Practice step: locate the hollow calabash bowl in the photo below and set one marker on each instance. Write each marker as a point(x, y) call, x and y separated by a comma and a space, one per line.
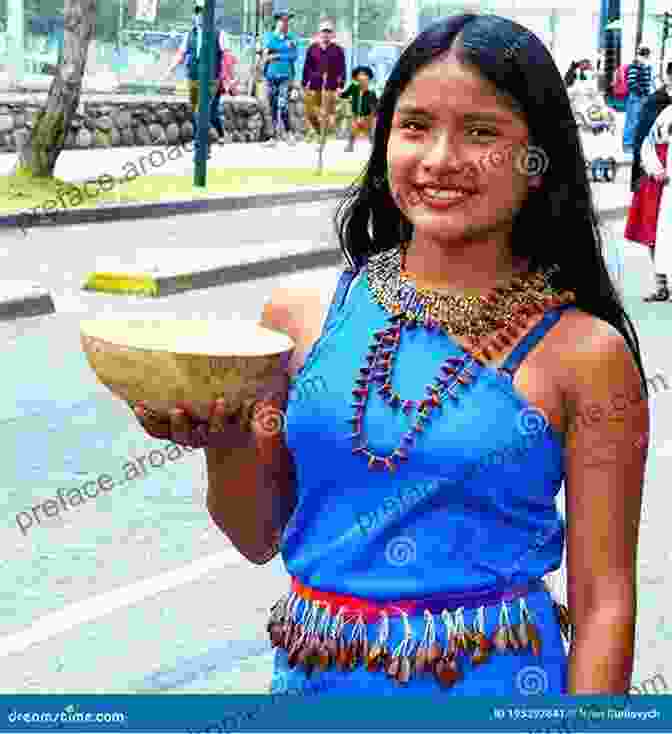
point(172, 361)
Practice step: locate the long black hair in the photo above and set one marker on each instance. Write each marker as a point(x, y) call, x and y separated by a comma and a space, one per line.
point(557, 227)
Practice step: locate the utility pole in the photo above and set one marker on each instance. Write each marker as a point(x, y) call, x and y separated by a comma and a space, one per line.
point(667, 28)
point(640, 24)
point(206, 63)
point(612, 45)
point(355, 33)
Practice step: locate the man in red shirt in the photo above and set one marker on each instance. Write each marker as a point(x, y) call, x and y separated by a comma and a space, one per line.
point(322, 57)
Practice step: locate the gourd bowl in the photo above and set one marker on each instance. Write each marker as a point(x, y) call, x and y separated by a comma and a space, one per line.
point(168, 362)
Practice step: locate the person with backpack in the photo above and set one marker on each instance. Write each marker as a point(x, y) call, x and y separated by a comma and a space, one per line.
point(189, 54)
point(640, 86)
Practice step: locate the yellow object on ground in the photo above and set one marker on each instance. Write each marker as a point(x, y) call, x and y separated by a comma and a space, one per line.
point(143, 285)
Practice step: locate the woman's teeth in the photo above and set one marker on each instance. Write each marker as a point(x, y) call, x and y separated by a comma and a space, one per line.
point(445, 193)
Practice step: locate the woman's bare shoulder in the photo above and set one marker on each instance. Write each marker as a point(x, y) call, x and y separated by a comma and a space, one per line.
point(300, 309)
point(594, 354)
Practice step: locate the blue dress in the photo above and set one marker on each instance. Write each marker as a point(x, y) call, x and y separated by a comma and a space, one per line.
point(472, 510)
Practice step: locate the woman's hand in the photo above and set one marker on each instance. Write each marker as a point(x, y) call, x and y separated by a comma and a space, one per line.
point(222, 430)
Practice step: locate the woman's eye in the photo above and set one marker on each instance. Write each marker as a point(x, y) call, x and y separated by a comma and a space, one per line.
point(407, 124)
point(485, 132)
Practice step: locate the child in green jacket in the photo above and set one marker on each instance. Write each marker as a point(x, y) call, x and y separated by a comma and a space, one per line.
point(364, 103)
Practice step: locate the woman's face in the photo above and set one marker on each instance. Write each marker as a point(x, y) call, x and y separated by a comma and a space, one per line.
point(453, 131)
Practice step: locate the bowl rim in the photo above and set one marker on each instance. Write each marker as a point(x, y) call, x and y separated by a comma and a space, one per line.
point(210, 355)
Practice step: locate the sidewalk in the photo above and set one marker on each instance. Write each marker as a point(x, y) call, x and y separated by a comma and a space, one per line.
point(79, 165)
point(182, 272)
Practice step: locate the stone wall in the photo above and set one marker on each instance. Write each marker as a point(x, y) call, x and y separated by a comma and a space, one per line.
point(104, 121)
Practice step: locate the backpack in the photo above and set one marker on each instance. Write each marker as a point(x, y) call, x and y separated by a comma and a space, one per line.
point(619, 86)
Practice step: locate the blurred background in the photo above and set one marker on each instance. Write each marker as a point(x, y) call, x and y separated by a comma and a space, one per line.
point(135, 40)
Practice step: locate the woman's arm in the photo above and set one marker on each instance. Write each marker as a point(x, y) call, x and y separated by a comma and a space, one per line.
point(251, 486)
point(605, 459)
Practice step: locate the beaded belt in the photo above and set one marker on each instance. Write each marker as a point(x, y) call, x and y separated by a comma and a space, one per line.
point(316, 641)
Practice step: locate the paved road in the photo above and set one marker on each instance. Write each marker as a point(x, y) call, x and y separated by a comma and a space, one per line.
point(60, 429)
point(153, 597)
point(67, 255)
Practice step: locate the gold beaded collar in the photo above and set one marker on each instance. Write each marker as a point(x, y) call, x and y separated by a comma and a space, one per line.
point(501, 313)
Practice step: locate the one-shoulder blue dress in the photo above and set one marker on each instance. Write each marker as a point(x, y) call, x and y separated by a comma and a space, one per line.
point(472, 510)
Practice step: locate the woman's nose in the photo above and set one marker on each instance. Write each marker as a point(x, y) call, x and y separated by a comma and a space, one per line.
point(442, 152)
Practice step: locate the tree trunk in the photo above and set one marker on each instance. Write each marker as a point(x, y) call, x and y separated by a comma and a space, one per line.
point(38, 152)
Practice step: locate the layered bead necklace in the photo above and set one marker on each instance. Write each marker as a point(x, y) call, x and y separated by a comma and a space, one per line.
point(490, 323)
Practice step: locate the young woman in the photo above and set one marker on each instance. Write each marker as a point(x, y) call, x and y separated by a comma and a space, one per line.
point(474, 357)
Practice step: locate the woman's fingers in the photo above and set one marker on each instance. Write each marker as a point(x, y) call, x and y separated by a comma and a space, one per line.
point(181, 427)
point(152, 423)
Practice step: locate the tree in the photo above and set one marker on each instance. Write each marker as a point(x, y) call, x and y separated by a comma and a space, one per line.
point(39, 152)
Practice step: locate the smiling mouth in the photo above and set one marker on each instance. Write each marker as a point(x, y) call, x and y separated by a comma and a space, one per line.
point(442, 196)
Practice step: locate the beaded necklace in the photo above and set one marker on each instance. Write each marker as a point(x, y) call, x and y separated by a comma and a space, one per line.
point(490, 324)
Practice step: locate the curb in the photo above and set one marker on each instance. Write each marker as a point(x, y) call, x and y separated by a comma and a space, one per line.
point(157, 286)
point(119, 212)
point(35, 303)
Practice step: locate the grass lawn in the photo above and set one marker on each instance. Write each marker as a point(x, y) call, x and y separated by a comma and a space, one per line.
point(230, 181)
point(21, 193)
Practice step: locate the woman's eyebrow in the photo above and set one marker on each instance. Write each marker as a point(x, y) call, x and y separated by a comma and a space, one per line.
point(411, 110)
point(468, 117)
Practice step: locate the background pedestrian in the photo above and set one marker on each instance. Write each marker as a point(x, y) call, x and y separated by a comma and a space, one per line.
point(228, 84)
point(322, 57)
point(279, 63)
point(189, 54)
point(364, 103)
point(655, 204)
point(640, 85)
point(652, 107)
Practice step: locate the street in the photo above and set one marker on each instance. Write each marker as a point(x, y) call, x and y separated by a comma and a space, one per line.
point(136, 590)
